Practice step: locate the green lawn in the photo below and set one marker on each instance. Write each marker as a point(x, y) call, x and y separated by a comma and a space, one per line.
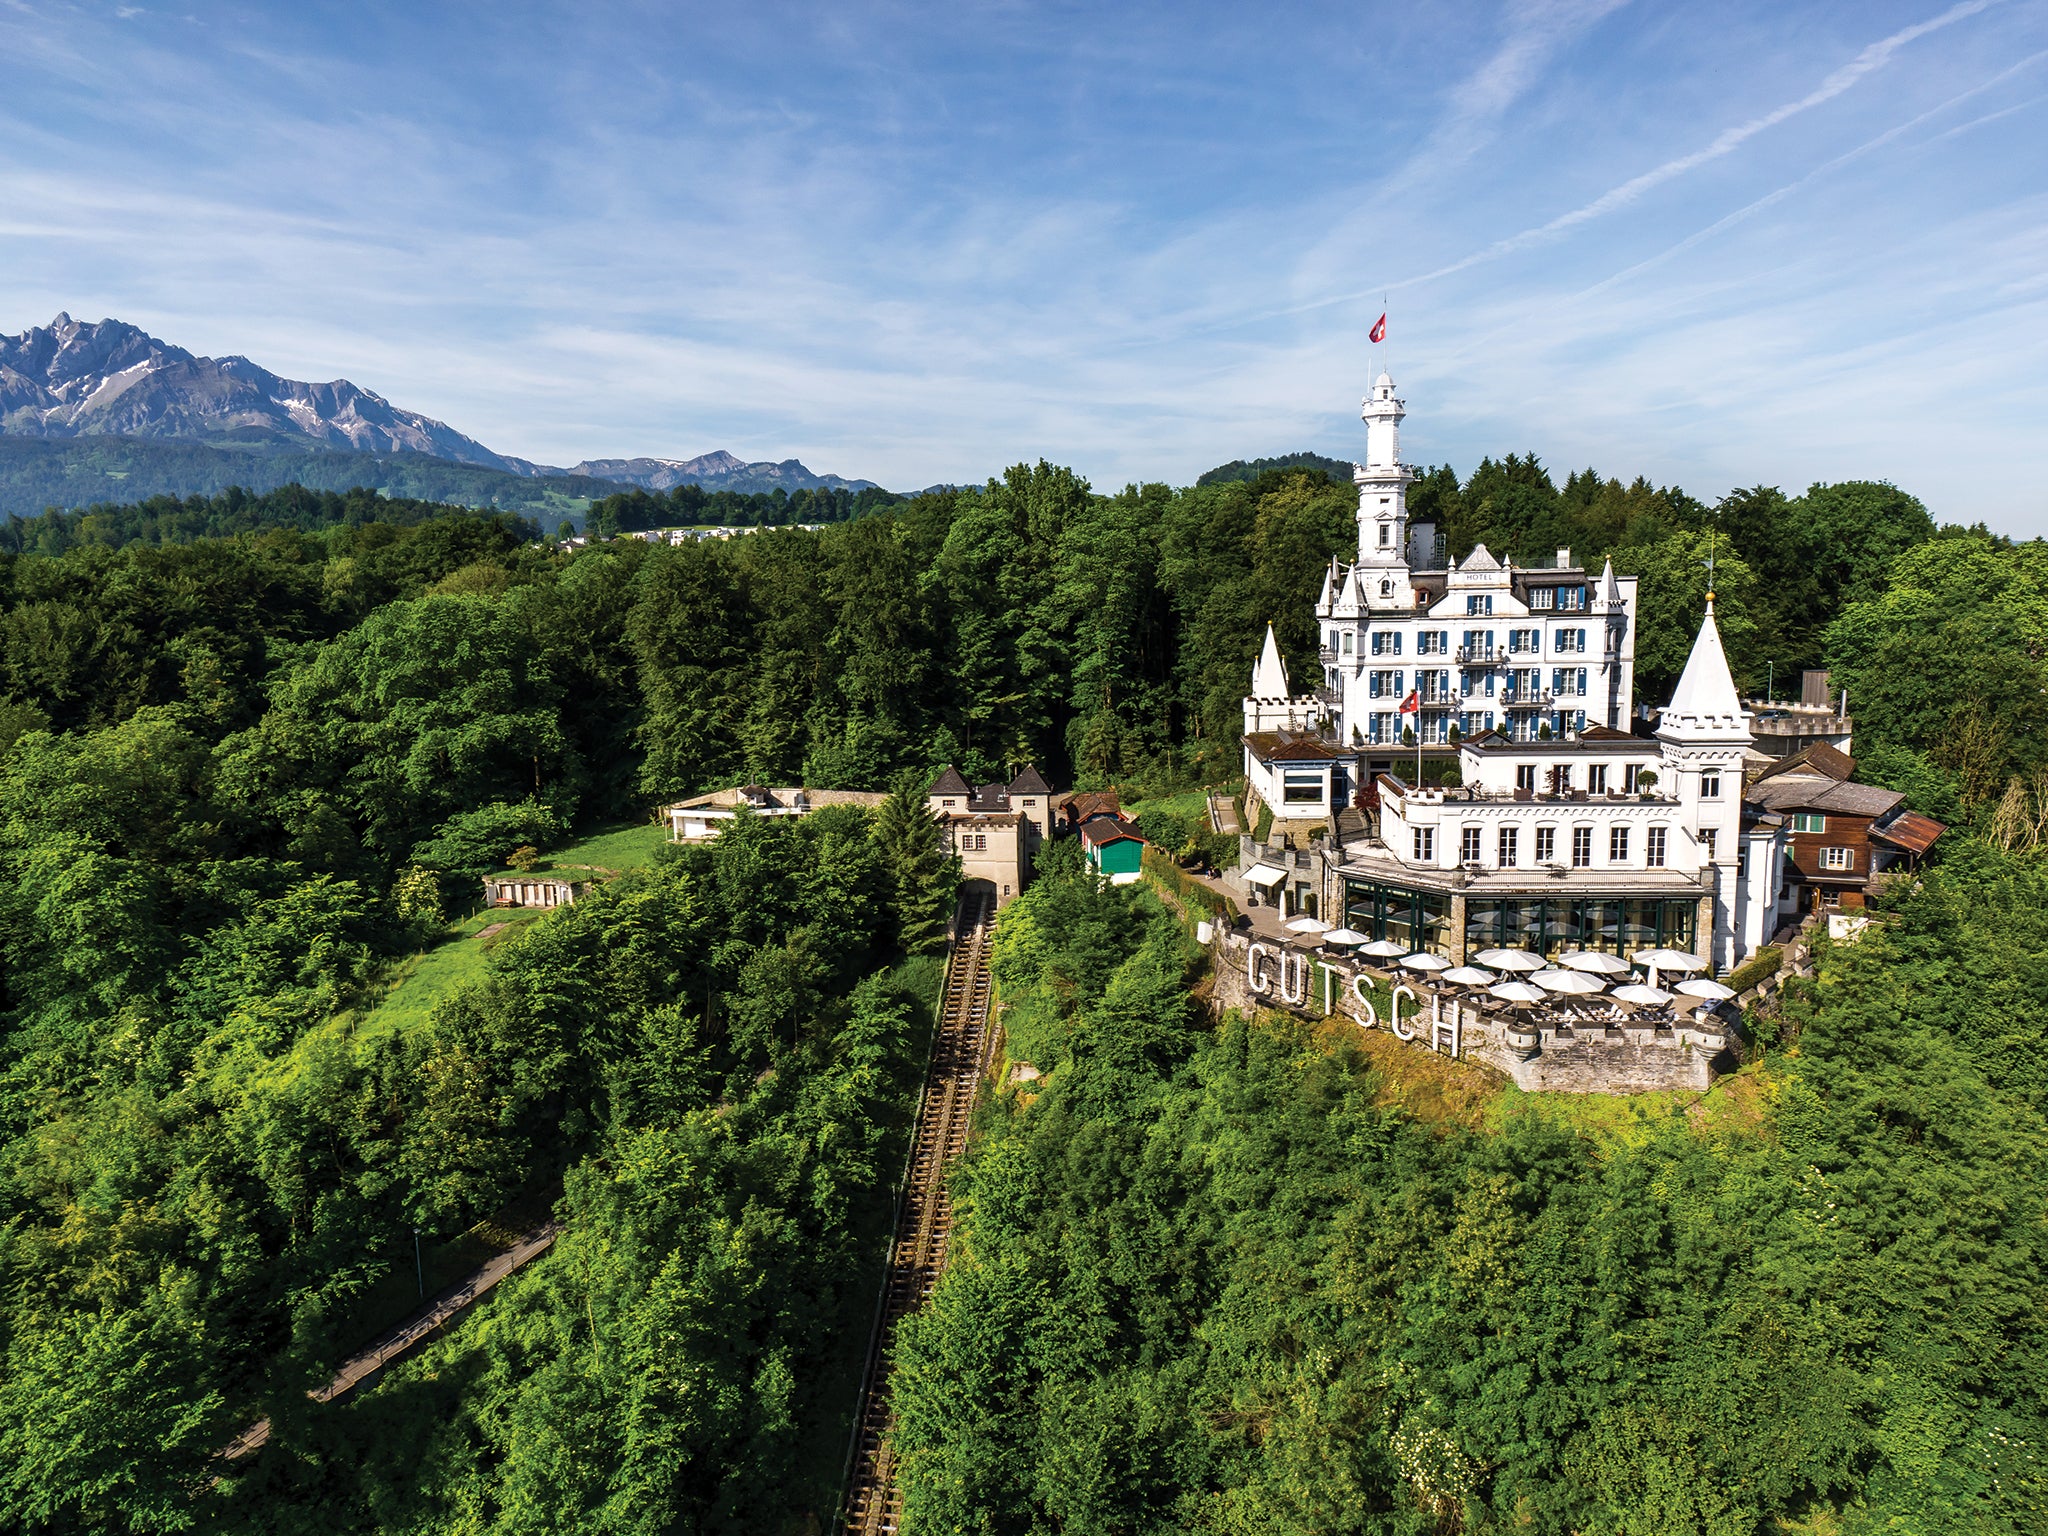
point(455, 961)
point(1194, 805)
point(610, 849)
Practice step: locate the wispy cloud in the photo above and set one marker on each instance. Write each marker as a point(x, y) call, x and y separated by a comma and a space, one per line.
point(917, 245)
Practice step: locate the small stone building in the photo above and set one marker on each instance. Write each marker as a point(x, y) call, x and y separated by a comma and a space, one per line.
point(997, 829)
point(703, 817)
point(517, 890)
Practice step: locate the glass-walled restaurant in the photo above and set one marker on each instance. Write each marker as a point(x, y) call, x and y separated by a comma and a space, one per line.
point(1541, 925)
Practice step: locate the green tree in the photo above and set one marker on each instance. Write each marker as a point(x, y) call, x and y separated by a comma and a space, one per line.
point(924, 874)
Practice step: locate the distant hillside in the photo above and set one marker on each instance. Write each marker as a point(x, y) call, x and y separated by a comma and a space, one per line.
point(174, 520)
point(39, 473)
point(719, 471)
point(1251, 469)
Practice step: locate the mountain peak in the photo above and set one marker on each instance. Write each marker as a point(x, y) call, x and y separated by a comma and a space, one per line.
point(71, 379)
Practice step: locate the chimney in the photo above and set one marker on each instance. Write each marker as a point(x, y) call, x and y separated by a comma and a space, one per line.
point(1564, 559)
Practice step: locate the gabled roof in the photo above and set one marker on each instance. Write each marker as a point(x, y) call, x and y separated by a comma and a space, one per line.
point(1269, 677)
point(1817, 758)
point(1480, 560)
point(1029, 782)
point(1705, 702)
point(1098, 802)
point(1811, 792)
point(949, 783)
point(1109, 829)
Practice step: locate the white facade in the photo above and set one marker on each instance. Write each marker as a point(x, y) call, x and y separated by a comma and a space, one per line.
point(1483, 645)
point(1563, 823)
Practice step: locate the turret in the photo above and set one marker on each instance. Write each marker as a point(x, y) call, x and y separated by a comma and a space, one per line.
point(1382, 482)
point(1704, 732)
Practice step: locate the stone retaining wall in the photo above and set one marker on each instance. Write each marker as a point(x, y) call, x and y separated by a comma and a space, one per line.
point(1253, 973)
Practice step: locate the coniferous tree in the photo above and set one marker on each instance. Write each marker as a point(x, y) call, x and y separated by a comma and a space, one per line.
point(926, 875)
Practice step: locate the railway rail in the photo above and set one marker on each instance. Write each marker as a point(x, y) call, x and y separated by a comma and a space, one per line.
point(924, 1216)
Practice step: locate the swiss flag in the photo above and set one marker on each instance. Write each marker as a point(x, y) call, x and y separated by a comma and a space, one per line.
point(1379, 330)
point(1412, 703)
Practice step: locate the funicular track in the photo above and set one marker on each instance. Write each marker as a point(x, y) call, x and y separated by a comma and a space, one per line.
point(923, 1219)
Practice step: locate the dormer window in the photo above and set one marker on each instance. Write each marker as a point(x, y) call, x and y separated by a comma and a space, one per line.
point(1386, 588)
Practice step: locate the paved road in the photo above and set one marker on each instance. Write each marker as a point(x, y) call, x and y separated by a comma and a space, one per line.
point(390, 1345)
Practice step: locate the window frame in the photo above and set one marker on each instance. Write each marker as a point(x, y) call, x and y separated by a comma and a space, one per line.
point(1582, 846)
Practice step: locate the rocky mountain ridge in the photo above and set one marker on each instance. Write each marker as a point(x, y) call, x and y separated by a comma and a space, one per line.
point(76, 379)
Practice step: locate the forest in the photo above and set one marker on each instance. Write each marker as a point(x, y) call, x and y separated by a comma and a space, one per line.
point(1212, 1276)
point(110, 473)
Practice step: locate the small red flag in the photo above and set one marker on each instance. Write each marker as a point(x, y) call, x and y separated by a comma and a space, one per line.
point(1412, 704)
point(1379, 329)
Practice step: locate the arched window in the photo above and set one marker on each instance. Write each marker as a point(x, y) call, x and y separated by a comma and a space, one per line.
point(1386, 589)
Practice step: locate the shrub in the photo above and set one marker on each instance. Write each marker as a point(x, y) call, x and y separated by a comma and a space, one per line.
point(1764, 963)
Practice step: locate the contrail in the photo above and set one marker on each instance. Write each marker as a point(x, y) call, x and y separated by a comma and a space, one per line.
point(1870, 59)
point(1821, 170)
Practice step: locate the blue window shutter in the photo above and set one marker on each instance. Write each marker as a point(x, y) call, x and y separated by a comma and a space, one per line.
point(1373, 690)
point(1582, 679)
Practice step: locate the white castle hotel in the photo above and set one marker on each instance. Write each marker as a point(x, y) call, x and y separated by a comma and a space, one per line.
point(1566, 832)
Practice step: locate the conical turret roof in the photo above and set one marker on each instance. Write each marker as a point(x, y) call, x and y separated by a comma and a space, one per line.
point(1705, 701)
point(1269, 677)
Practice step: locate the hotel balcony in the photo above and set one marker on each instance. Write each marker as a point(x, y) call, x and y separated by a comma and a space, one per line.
point(1480, 655)
point(1527, 698)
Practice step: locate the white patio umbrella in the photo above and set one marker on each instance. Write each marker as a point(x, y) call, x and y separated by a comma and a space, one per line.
point(1516, 992)
point(1667, 960)
point(1593, 962)
point(1384, 949)
point(1706, 989)
point(1509, 960)
point(1570, 983)
point(1344, 936)
point(1425, 962)
point(1468, 976)
point(1308, 925)
point(1636, 992)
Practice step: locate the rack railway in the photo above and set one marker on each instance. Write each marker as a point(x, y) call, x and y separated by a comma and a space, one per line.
point(924, 1217)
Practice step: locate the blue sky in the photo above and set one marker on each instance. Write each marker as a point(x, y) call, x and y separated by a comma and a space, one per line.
point(1716, 245)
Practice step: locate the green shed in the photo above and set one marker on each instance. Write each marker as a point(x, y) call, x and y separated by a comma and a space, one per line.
point(1114, 847)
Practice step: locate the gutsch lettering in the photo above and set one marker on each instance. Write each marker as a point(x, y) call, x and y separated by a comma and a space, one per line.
point(1274, 972)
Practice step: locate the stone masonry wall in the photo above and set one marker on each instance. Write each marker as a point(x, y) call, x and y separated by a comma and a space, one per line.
point(1252, 973)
